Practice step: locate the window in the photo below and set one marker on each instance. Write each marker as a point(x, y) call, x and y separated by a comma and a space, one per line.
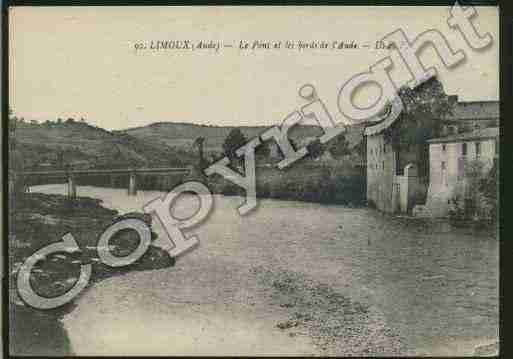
point(478, 149)
point(464, 149)
point(444, 147)
point(443, 165)
point(384, 148)
point(496, 145)
point(383, 165)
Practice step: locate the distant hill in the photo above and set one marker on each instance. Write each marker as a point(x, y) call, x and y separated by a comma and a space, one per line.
point(182, 135)
point(82, 145)
point(52, 144)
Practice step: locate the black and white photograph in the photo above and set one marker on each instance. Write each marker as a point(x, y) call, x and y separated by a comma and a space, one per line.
point(253, 181)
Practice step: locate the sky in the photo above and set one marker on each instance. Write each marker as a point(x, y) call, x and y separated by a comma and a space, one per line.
point(82, 62)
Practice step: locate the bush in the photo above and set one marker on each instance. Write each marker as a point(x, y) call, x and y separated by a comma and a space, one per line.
point(489, 187)
point(476, 198)
point(371, 204)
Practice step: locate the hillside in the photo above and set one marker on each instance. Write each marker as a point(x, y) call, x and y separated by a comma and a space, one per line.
point(52, 145)
point(182, 135)
point(55, 144)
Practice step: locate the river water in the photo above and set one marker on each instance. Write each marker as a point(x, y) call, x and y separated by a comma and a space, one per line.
point(431, 284)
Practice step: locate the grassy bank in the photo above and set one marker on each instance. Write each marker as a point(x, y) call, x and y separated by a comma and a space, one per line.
point(308, 182)
point(39, 220)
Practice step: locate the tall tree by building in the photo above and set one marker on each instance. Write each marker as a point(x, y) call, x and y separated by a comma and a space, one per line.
point(423, 107)
point(233, 141)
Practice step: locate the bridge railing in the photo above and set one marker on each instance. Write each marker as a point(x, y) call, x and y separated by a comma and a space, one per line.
point(70, 176)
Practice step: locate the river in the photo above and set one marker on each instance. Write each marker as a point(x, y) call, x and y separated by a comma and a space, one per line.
point(430, 288)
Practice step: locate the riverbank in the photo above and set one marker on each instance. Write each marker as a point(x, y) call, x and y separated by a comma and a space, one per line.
point(306, 181)
point(366, 280)
point(41, 219)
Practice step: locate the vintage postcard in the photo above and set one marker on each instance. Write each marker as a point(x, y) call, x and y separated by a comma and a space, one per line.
point(253, 181)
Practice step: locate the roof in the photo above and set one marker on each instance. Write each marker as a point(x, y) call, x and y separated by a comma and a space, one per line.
point(485, 133)
point(470, 110)
point(474, 110)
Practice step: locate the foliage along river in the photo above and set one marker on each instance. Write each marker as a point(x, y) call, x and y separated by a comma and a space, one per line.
point(432, 287)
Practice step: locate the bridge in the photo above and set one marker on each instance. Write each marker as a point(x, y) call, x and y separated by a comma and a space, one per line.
point(72, 174)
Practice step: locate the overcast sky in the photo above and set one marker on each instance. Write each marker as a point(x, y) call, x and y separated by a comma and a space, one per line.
point(81, 62)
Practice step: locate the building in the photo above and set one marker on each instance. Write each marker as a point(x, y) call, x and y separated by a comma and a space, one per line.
point(391, 187)
point(470, 116)
point(394, 183)
point(448, 158)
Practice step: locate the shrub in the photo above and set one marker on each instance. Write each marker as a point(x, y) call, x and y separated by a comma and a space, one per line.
point(476, 198)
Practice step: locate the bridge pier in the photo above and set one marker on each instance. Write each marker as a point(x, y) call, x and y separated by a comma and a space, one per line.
point(132, 184)
point(72, 187)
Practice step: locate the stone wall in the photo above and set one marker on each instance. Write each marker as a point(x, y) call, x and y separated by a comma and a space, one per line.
point(380, 173)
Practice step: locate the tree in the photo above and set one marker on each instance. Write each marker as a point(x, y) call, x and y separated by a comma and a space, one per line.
point(233, 141)
point(12, 129)
point(216, 156)
point(12, 122)
point(423, 107)
point(199, 144)
point(263, 151)
point(315, 149)
point(70, 120)
point(476, 197)
point(17, 161)
point(339, 146)
point(60, 158)
point(489, 186)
